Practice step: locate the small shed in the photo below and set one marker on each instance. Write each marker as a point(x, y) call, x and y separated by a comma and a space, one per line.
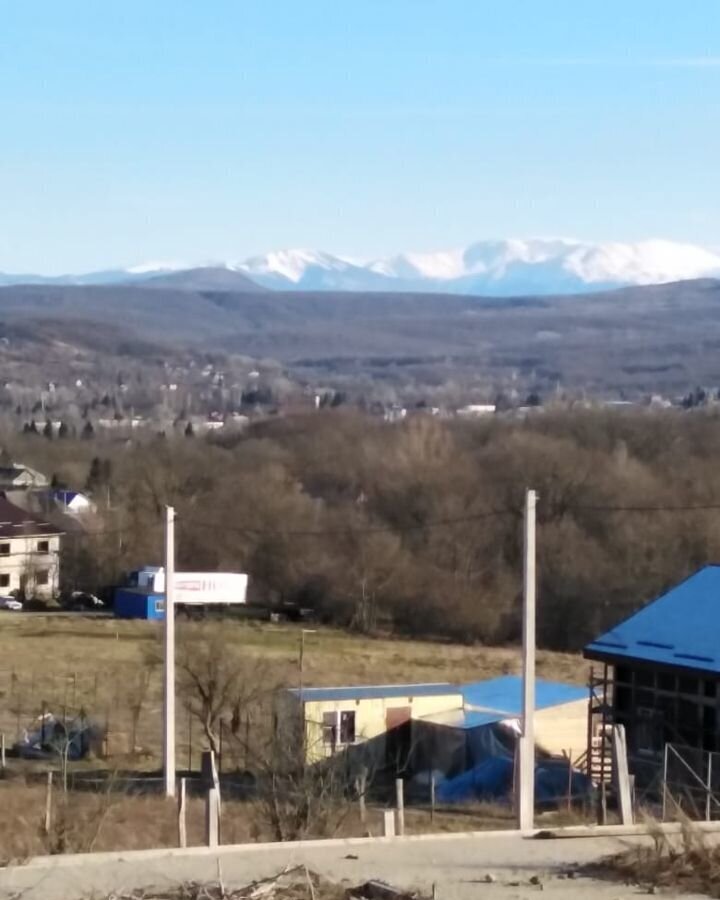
point(488, 724)
point(132, 603)
point(560, 709)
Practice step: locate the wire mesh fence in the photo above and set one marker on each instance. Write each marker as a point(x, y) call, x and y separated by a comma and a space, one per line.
point(123, 703)
point(691, 783)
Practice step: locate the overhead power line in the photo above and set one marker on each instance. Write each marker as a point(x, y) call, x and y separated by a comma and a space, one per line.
point(693, 507)
point(371, 529)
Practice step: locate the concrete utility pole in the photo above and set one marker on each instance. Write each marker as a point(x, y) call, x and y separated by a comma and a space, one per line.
point(169, 669)
point(526, 774)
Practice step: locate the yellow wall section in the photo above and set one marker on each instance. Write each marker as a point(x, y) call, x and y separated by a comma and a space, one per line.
point(563, 728)
point(370, 716)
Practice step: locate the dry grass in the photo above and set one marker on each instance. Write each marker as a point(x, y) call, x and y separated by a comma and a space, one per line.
point(74, 643)
point(80, 660)
point(87, 822)
point(93, 660)
point(684, 863)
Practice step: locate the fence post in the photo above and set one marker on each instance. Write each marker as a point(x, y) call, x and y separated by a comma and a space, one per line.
point(2, 750)
point(603, 803)
point(189, 742)
point(622, 775)
point(48, 802)
point(708, 795)
point(361, 789)
point(400, 800)
point(220, 749)
point(432, 795)
point(569, 781)
point(182, 810)
point(664, 783)
point(212, 817)
point(389, 823)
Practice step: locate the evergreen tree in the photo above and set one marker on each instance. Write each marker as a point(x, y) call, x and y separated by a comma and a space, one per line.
point(189, 430)
point(88, 431)
point(48, 430)
point(63, 430)
point(94, 475)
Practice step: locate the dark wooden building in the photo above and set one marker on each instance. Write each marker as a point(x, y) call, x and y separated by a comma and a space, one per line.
point(660, 671)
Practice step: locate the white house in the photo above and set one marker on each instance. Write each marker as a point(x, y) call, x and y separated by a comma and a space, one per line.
point(18, 475)
point(29, 553)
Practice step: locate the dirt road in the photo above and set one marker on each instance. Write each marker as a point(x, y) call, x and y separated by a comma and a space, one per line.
point(497, 867)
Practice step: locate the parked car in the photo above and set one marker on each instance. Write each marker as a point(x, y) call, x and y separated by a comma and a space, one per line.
point(81, 600)
point(11, 603)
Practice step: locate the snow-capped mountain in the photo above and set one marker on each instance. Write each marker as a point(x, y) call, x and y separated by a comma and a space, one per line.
point(503, 268)
point(493, 267)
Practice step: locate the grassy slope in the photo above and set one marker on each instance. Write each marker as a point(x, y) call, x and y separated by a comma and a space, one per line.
point(60, 645)
point(56, 657)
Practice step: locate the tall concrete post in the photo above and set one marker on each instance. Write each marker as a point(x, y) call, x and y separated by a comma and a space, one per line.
point(169, 666)
point(526, 775)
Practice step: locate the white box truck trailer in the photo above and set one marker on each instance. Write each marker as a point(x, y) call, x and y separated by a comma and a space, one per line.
point(196, 588)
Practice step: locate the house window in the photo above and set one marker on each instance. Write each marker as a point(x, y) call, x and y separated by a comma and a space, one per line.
point(339, 728)
point(4, 549)
point(4, 581)
point(330, 728)
point(42, 577)
point(43, 546)
point(347, 727)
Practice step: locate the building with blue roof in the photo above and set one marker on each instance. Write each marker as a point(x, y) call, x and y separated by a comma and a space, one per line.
point(662, 667)
point(454, 723)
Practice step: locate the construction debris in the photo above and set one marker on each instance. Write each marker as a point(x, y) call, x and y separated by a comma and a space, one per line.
point(297, 883)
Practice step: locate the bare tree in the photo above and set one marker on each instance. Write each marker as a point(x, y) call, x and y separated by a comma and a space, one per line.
point(215, 683)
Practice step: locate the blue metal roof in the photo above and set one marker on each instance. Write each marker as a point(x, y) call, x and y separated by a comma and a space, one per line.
point(376, 691)
point(504, 694)
point(464, 718)
point(679, 628)
point(500, 696)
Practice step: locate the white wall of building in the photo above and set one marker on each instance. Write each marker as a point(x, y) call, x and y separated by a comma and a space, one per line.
point(32, 563)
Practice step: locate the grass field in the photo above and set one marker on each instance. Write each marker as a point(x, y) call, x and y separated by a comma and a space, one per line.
point(49, 662)
point(72, 662)
point(66, 643)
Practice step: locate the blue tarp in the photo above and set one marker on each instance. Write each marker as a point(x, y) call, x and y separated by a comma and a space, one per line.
point(492, 779)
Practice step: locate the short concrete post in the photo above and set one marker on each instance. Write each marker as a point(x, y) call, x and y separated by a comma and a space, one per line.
point(622, 776)
point(400, 800)
point(48, 803)
point(362, 789)
point(182, 814)
point(432, 796)
point(2, 750)
point(212, 817)
point(389, 822)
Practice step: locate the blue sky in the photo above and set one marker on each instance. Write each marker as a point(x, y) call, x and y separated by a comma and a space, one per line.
point(135, 130)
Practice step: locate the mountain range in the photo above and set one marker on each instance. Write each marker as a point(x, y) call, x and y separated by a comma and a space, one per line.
point(495, 268)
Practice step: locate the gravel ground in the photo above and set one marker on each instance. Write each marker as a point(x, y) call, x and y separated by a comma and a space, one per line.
point(501, 868)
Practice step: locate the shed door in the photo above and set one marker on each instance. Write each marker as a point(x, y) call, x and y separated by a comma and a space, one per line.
point(397, 742)
point(396, 717)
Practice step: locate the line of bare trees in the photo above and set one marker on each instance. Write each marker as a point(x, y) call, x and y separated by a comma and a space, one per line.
point(382, 526)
